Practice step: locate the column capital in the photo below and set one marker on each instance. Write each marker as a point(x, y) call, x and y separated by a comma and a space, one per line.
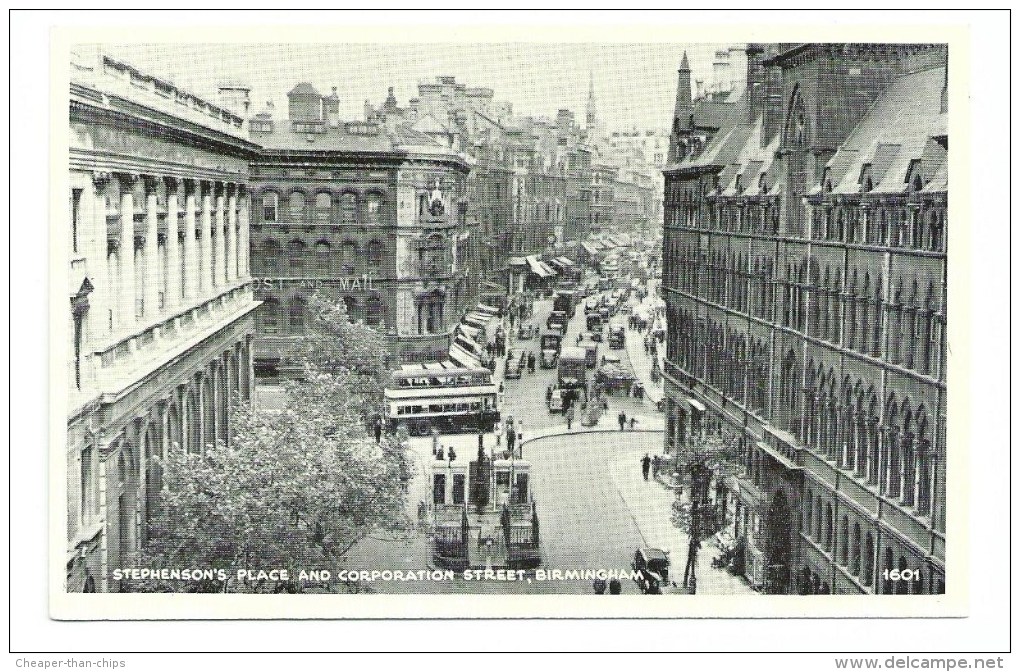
point(128, 180)
point(219, 188)
point(205, 187)
point(231, 188)
point(190, 185)
point(101, 178)
point(151, 183)
point(172, 182)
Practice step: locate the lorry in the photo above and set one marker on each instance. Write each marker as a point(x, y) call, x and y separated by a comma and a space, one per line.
point(591, 352)
point(617, 335)
point(557, 317)
point(565, 300)
point(572, 369)
point(550, 346)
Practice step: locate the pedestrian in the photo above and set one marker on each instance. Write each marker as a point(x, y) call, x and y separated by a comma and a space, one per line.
point(622, 419)
point(510, 438)
point(570, 417)
point(378, 429)
point(600, 586)
point(453, 455)
point(633, 421)
point(614, 587)
point(655, 466)
point(548, 394)
point(531, 362)
point(439, 454)
point(646, 463)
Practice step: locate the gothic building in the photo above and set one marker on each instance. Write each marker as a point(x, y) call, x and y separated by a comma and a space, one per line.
point(805, 284)
point(160, 311)
point(374, 212)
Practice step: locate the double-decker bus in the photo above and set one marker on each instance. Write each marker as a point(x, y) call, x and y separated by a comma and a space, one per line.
point(441, 396)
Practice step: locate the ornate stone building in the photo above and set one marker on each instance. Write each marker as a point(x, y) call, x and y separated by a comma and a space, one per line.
point(374, 212)
point(160, 315)
point(805, 284)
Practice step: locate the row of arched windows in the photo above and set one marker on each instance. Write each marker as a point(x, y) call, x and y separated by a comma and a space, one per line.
point(914, 226)
point(853, 547)
point(299, 259)
point(277, 316)
point(820, 302)
point(320, 206)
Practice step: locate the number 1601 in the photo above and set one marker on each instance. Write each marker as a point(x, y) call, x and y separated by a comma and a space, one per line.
point(901, 575)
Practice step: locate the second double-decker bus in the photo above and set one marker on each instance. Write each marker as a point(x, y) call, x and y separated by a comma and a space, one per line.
point(440, 396)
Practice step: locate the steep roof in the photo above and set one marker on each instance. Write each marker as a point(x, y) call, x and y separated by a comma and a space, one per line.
point(894, 133)
point(304, 88)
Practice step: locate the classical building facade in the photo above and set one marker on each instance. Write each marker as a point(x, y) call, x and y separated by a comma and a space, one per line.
point(375, 213)
point(161, 303)
point(805, 284)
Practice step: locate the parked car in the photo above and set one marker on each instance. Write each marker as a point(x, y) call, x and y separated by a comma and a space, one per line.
point(556, 401)
point(652, 565)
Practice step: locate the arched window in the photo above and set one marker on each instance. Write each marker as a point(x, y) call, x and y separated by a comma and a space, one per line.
point(322, 256)
point(323, 206)
point(296, 205)
point(868, 559)
point(270, 204)
point(348, 208)
point(296, 257)
point(270, 256)
point(855, 551)
point(375, 253)
point(350, 257)
point(829, 536)
point(843, 546)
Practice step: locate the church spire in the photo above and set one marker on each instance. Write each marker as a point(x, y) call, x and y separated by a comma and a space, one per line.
point(682, 111)
point(591, 120)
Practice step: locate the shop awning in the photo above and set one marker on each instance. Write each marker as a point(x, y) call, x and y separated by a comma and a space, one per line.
point(463, 358)
point(538, 268)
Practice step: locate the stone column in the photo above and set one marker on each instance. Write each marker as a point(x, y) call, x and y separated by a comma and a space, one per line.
point(221, 276)
point(173, 247)
point(191, 245)
point(243, 238)
point(230, 239)
point(205, 243)
point(150, 273)
point(126, 286)
point(93, 201)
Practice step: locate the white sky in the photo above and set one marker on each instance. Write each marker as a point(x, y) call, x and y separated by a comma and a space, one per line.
point(635, 84)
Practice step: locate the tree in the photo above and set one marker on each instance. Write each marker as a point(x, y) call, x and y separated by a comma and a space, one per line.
point(702, 458)
point(294, 489)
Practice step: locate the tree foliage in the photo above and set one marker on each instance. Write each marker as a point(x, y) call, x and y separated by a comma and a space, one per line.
point(296, 488)
point(703, 457)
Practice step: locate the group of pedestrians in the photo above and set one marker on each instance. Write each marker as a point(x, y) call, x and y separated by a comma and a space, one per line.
point(615, 588)
point(625, 421)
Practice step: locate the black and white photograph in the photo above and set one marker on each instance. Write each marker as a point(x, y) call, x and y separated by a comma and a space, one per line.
point(364, 326)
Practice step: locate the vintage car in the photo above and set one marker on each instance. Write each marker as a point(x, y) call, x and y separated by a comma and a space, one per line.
point(527, 332)
point(652, 566)
point(556, 401)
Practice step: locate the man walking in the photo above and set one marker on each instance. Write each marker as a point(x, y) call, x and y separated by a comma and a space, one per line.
point(622, 419)
point(378, 429)
point(511, 438)
point(646, 463)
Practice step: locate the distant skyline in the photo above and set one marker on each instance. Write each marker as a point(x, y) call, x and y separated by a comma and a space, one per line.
point(635, 84)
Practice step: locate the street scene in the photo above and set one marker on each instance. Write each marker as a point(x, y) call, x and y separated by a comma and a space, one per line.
point(663, 321)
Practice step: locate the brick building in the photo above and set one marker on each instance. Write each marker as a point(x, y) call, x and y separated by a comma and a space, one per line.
point(373, 212)
point(805, 282)
point(161, 302)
